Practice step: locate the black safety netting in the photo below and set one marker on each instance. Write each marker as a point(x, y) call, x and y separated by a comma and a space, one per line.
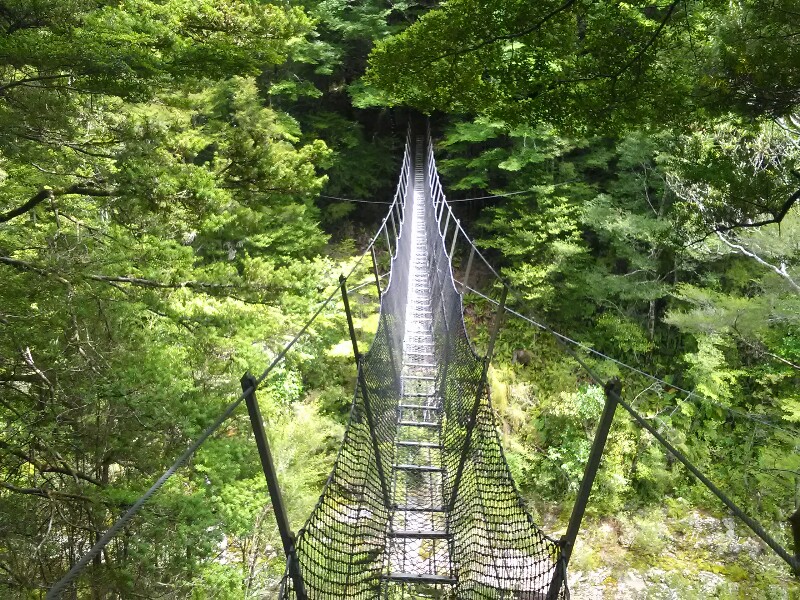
point(341, 547)
point(417, 506)
point(498, 551)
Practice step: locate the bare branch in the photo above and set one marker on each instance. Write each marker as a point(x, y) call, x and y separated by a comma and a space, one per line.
point(44, 468)
point(151, 283)
point(777, 216)
point(779, 270)
point(50, 194)
point(26, 80)
point(21, 265)
point(116, 280)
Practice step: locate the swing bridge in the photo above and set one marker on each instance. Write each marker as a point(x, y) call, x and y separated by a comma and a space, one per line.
point(421, 502)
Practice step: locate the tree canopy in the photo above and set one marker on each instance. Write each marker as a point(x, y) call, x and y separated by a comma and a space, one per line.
point(181, 183)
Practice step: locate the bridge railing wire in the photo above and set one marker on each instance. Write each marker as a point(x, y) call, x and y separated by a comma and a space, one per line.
point(63, 584)
point(445, 216)
point(340, 548)
point(498, 550)
point(654, 405)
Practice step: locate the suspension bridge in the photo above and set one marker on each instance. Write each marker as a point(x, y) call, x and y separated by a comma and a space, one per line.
point(421, 503)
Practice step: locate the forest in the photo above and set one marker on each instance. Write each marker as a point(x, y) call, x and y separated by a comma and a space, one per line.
point(182, 182)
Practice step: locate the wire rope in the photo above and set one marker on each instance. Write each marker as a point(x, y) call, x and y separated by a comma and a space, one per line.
point(55, 591)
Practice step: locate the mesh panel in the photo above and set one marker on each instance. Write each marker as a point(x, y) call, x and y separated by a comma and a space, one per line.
point(341, 548)
point(498, 551)
point(409, 536)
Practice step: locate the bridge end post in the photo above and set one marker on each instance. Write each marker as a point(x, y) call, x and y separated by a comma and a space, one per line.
point(612, 391)
point(288, 539)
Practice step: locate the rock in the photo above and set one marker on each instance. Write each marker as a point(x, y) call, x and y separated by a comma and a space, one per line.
point(631, 586)
point(710, 582)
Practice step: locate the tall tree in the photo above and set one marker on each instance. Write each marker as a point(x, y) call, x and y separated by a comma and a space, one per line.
point(157, 237)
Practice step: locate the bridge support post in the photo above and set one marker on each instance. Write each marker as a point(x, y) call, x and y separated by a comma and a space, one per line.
point(794, 521)
point(612, 392)
point(395, 228)
point(287, 536)
point(453, 242)
point(473, 417)
point(362, 385)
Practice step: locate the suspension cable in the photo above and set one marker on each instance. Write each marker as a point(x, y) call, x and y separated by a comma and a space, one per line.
point(564, 341)
point(354, 200)
point(55, 591)
point(591, 350)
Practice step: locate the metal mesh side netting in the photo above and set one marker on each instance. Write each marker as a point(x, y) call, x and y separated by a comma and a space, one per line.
point(498, 551)
point(395, 520)
point(341, 547)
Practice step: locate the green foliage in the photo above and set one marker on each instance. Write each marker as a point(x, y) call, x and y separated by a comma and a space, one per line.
point(587, 65)
point(161, 232)
point(158, 237)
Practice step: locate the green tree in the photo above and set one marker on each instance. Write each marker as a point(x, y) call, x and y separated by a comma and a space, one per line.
point(158, 236)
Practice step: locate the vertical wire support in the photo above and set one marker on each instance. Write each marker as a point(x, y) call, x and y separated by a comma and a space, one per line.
point(465, 283)
point(362, 384)
point(447, 223)
point(394, 227)
point(612, 391)
point(498, 321)
point(453, 243)
point(288, 539)
point(388, 241)
point(473, 417)
point(375, 270)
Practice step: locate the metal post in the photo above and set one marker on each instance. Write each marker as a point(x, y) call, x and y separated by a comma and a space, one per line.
point(362, 384)
point(498, 320)
point(465, 283)
point(447, 223)
point(794, 521)
point(351, 328)
point(375, 269)
point(287, 536)
point(473, 417)
point(567, 543)
point(395, 228)
point(612, 392)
